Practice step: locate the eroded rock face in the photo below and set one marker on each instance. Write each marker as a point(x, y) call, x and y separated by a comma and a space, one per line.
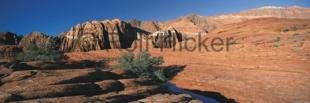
point(167, 38)
point(9, 51)
point(8, 45)
point(149, 26)
point(39, 39)
point(8, 38)
point(98, 35)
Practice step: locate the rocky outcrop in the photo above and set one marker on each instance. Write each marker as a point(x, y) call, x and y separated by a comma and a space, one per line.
point(39, 39)
point(8, 45)
point(9, 51)
point(8, 38)
point(98, 35)
point(80, 85)
point(166, 38)
point(149, 26)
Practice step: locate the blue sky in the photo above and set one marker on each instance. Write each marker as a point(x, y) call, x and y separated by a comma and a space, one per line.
point(55, 16)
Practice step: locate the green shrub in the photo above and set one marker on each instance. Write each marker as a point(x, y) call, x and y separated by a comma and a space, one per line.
point(143, 65)
point(286, 30)
point(160, 75)
point(276, 42)
point(33, 52)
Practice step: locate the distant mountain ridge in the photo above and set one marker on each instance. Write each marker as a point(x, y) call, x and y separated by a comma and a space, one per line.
point(193, 23)
point(275, 11)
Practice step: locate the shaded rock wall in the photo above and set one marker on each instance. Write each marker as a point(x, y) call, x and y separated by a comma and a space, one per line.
point(98, 35)
point(8, 38)
point(167, 38)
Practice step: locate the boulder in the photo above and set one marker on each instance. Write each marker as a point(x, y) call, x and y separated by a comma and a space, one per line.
point(98, 35)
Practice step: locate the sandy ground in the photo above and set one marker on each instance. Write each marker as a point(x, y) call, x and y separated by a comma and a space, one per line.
point(264, 76)
point(268, 64)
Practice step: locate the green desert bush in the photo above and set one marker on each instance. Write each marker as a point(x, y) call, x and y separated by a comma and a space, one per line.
point(276, 42)
point(33, 52)
point(143, 65)
point(160, 75)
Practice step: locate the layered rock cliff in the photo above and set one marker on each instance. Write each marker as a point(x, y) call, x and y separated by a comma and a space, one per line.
point(8, 45)
point(39, 39)
point(98, 35)
point(9, 51)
